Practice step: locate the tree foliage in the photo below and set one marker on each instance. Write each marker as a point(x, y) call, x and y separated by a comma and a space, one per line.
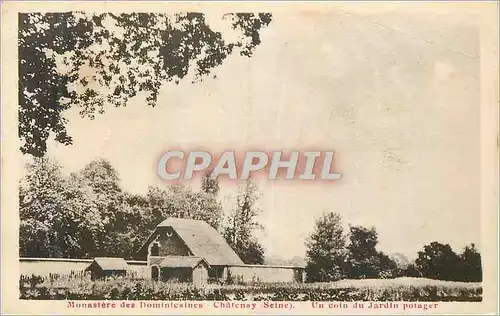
point(91, 60)
point(471, 266)
point(326, 253)
point(364, 259)
point(181, 202)
point(330, 257)
point(439, 261)
point(252, 252)
point(242, 223)
point(58, 216)
point(401, 262)
point(209, 184)
point(86, 214)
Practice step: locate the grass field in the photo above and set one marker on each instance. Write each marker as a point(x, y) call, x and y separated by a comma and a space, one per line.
point(399, 289)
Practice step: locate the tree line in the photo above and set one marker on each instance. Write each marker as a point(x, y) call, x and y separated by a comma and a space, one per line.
point(88, 214)
point(333, 255)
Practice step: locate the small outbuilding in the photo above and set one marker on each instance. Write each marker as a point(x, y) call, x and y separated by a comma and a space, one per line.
point(102, 268)
point(180, 269)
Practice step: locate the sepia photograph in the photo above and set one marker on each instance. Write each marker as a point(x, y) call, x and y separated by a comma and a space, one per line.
point(276, 158)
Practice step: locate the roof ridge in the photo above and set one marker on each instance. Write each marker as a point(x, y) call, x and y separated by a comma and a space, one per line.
point(184, 219)
point(179, 256)
point(109, 258)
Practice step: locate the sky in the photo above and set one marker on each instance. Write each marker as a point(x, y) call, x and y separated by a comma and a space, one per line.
point(396, 96)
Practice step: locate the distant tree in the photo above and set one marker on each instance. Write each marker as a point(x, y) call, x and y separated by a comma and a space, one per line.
point(103, 180)
point(129, 224)
point(326, 253)
point(438, 261)
point(412, 271)
point(102, 177)
point(470, 266)
point(296, 261)
point(402, 264)
point(241, 224)
point(92, 60)
point(388, 268)
point(252, 253)
point(210, 185)
point(364, 260)
point(277, 260)
point(40, 198)
point(182, 202)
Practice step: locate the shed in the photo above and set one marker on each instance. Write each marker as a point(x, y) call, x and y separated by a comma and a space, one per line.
point(101, 268)
point(181, 269)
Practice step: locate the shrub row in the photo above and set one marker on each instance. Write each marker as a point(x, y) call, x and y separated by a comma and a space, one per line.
point(139, 292)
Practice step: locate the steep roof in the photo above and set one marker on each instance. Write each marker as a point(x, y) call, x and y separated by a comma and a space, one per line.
point(108, 264)
point(203, 241)
point(180, 262)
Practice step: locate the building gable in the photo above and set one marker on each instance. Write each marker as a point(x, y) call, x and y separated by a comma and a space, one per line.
point(166, 242)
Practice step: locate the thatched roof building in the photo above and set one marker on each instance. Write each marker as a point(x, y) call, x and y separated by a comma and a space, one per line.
point(200, 239)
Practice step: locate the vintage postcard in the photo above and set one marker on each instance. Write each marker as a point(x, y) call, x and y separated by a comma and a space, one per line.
point(278, 158)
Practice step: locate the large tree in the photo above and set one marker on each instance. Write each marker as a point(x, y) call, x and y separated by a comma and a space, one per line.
point(57, 213)
point(364, 259)
point(127, 235)
point(438, 261)
point(242, 223)
point(363, 256)
point(326, 253)
point(91, 60)
point(471, 267)
point(108, 197)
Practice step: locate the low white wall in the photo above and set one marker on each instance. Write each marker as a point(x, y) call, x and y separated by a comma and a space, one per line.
point(266, 273)
point(45, 266)
point(139, 269)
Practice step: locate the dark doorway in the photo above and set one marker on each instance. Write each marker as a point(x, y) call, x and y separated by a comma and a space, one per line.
point(155, 273)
